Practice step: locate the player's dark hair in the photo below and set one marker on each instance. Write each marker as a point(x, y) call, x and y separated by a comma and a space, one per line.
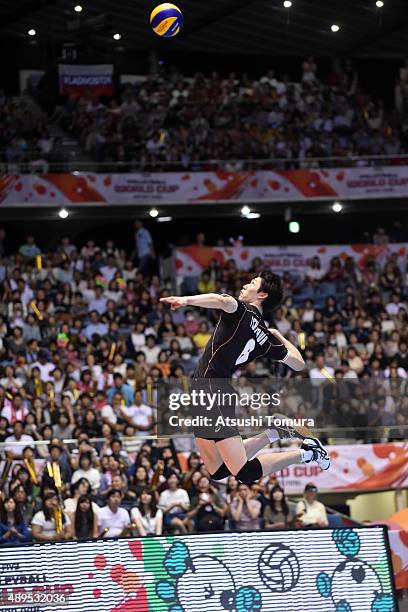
point(272, 285)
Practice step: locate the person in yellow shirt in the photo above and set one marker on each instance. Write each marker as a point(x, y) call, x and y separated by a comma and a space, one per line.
point(206, 285)
point(201, 338)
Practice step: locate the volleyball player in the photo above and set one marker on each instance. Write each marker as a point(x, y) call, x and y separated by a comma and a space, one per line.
point(239, 337)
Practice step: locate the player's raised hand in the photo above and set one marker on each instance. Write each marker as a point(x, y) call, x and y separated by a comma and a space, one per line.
point(175, 301)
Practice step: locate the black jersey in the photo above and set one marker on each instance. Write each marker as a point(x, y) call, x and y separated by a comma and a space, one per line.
point(238, 338)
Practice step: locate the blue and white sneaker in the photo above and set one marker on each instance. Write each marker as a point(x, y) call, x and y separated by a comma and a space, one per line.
point(320, 454)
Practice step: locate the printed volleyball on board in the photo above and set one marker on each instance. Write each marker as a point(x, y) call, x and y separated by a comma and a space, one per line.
point(166, 20)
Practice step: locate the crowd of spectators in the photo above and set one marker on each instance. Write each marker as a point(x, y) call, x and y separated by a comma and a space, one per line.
point(183, 121)
point(25, 142)
point(83, 341)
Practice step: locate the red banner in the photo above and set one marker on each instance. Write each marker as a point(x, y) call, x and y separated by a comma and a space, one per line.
point(195, 187)
point(192, 260)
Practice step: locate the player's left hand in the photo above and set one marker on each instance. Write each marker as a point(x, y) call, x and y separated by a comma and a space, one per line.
point(175, 302)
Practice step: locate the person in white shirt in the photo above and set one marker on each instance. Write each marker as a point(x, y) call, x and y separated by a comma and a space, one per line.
point(80, 488)
point(138, 337)
point(112, 516)
point(308, 314)
point(315, 272)
point(311, 512)
point(45, 367)
point(98, 302)
point(85, 470)
point(175, 503)
point(14, 410)
point(316, 373)
point(319, 379)
point(109, 270)
point(66, 246)
point(281, 322)
point(395, 305)
point(108, 413)
point(151, 350)
point(43, 522)
point(16, 443)
point(147, 517)
point(139, 415)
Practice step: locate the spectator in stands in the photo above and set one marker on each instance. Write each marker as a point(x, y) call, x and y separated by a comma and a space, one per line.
point(205, 284)
point(245, 511)
point(16, 443)
point(29, 249)
point(277, 515)
point(309, 510)
point(80, 488)
point(139, 415)
point(207, 510)
point(175, 503)
point(396, 305)
point(147, 518)
point(202, 337)
point(315, 272)
point(13, 529)
point(85, 470)
point(380, 237)
point(119, 386)
point(112, 519)
point(85, 521)
point(45, 526)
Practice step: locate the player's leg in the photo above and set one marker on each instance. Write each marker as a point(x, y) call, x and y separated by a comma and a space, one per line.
point(256, 443)
point(232, 451)
point(280, 431)
point(212, 459)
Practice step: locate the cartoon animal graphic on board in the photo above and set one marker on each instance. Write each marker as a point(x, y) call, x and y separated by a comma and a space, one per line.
point(355, 585)
point(203, 582)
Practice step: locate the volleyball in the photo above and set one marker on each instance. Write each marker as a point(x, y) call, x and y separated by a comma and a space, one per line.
point(279, 568)
point(166, 20)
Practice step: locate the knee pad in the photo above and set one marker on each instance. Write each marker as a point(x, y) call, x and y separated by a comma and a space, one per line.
point(221, 473)
point(250, 472)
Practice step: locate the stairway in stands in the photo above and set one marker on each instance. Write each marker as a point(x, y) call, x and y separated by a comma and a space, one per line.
point(77, 158)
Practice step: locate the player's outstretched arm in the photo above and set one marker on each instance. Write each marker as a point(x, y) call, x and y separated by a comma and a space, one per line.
point(294, 359)
point(207, 300)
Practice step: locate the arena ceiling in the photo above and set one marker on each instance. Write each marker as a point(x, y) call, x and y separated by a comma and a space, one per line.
point(223, 26)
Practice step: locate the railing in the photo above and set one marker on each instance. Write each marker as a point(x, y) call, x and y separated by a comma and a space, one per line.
point(24, 163)
point(372, 434)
